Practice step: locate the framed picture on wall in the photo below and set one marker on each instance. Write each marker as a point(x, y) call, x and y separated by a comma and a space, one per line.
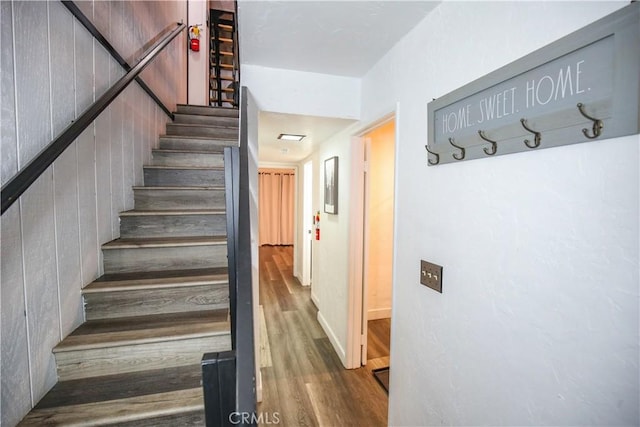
point(331, 185)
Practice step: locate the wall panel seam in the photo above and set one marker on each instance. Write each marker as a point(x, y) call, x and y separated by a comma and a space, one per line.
point(24, 291)
point(53, 173)
point(75, 114)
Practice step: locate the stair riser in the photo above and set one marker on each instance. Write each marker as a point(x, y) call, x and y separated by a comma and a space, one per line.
point(165, 258)
point(173, 225)
point(178, 199)
point(186, 143)
point(138, 357)
point(161, 158)
point(206, 120)
point(212, 132)
point(109, 305)
point(184, 177)
point(207, 111)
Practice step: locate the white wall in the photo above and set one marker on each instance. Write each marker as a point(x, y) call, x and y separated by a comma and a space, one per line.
point(51, 237)
point(297, 92)
point(199, 61)
point(538, 320)
point(329, 288)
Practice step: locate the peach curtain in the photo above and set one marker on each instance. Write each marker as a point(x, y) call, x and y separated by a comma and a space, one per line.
point(276, 195)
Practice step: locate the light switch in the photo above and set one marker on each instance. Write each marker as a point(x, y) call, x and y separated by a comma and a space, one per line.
point(431, 275)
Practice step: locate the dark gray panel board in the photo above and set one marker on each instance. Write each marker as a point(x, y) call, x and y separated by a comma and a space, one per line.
point(582, 87)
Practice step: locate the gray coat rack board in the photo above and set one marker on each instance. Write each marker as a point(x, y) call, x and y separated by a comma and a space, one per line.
point(580, 88)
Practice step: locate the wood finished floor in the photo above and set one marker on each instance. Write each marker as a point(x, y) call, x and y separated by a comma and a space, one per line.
point(378, 343)
point(303, 380)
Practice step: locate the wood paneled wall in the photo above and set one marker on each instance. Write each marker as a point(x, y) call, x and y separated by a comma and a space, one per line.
point(51, 70)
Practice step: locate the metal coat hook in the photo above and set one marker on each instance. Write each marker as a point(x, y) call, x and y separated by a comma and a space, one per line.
point(433, 154)
point(494, 144)
point(597, 124)
point(537, 136)
point(462, 150)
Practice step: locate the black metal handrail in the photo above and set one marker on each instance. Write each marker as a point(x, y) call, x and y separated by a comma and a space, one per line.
point(13, 189)
point(86, 22)
point(229, 378)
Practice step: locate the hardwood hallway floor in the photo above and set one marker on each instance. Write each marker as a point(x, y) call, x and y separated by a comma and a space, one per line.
point(303, 380)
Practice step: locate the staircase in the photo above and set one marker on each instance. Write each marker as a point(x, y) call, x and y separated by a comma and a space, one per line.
point(164, 298)
point(224, 72)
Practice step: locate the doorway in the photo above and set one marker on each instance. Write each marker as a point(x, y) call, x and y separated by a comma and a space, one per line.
point(307, 223)
point(378, 212)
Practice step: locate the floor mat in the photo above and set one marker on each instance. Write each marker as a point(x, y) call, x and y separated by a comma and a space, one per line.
point(382, 375)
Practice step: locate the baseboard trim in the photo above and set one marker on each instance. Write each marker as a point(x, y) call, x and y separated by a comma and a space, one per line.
point(333, 339)
point(314, 300)
point(259, 386)
point(379, 313)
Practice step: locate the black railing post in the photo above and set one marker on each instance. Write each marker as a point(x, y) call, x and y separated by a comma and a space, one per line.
point(219, 387)
point(231, 176)
point(245, 350)
point(243, 368)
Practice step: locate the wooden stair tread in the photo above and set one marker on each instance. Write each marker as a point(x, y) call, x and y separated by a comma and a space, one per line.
point(172, 212)
point(230, 101)
point(198, 137)
point(225, 39)
point(121, 386)
point(208, 109)
point(200, 125)
point(161, 279)
point(183, 419)
point(160, 242)
point(122, 331)
point(177, 187)
point(219, 151)
point(217, 168)
point(120, 410)
point(151, 321)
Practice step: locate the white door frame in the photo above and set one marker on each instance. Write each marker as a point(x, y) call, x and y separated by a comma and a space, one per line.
point(357, 294)
point(307, 212)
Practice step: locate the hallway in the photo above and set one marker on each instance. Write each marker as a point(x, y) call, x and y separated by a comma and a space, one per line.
point(303, 379)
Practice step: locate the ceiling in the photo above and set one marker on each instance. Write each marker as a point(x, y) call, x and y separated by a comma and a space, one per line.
point(331, 37)
point(343, 38)
point(317, 129)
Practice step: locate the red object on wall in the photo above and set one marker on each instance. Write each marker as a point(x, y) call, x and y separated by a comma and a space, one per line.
point(195, 45)
point(317, 233)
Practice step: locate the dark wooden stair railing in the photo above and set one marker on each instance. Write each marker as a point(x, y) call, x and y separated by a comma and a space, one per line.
point(229, 378)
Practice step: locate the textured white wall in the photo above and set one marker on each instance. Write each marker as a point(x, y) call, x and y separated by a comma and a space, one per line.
point(199, 61)
point(51, 71)
point(298, 92)
point(538, 320)
point(330, 282)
